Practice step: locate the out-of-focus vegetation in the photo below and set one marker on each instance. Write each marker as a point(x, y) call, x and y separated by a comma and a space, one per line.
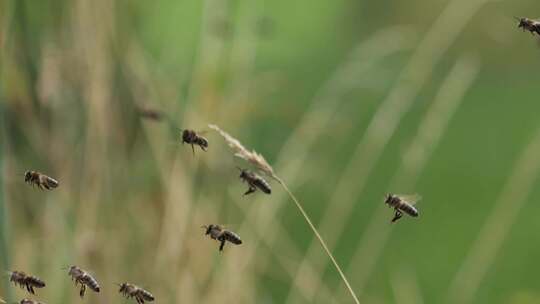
point(348, 100)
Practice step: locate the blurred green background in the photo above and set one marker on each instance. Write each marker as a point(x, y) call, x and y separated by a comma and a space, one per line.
point(348, 100)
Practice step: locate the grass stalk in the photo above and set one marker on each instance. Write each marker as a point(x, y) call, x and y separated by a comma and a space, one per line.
point(319, 237)
point(258, 161)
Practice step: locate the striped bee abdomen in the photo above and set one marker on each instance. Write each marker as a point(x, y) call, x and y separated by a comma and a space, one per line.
point(232, 237)
point(89, 281)
point(262, 185)
point(409, 209)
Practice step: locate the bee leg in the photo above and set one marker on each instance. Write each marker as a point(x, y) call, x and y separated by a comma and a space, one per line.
point(30, 289)
point(397, 216)
point(83, 289)
point(250, 190)
point(221, 245)
point(139, 300)
point(193, 149)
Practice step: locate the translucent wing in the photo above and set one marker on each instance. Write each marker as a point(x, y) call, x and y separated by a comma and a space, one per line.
point(410, 198)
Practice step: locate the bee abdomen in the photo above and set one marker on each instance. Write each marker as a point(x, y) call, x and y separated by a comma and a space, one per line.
point(410, 210)
point(201, 141)
point(91, 282)
point(36, 282)
point(232, 237)
point(146, 295)
point(51, 182)
point(263, 185)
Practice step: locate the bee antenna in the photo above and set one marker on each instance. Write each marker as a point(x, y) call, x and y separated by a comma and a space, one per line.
point(204, 226)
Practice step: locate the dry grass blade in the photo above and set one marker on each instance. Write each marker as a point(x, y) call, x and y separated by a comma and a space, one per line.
point(497, 226)
point(258, 161)
point(252, 157)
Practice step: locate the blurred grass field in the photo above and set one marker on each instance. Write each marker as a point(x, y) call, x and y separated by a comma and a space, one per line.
point(348, 100)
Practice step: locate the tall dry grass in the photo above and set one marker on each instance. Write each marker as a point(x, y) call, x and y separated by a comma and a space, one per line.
point(118, 207)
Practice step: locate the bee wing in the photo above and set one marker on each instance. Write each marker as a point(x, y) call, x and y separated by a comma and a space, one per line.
point(410, 198)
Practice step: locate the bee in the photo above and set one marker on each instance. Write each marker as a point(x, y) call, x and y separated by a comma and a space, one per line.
point(28, 301)
point(133, 291)
point(84, 278)
point(150, 114)
point(26, 281)
point(192, 138)
point(530, 25)
point(254, 182)
point(402, 203)
point(222, 235)
point(41, 180)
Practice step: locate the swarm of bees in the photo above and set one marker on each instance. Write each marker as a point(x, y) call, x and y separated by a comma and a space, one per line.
point(222, 235)
point(254, 182)
point(26, 281)
point(82, 277)
point(530, 25)
point(133, 291)
point(192, 138)
point(41, 180)
point(402, 204)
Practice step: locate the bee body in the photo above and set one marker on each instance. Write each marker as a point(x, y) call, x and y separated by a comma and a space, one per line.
point(530, 25)
point(41, 180)
point(26, 281)
point(254, 182)
point(133, 291)
point(82, 277)
point(192, 138)
point(401, 205)
point(222, 235)
point(28, 301)
point(150, 114)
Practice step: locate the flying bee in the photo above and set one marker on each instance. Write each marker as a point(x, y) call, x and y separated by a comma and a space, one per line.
point(254, 182)
point(192, 138)
point(41, 180)
point(26, 281)
point(133, 291)
point(82, 277)
point(222, 235)
point(402, 203)
point(28, 301)
point(150, 114)
point(530, 25)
